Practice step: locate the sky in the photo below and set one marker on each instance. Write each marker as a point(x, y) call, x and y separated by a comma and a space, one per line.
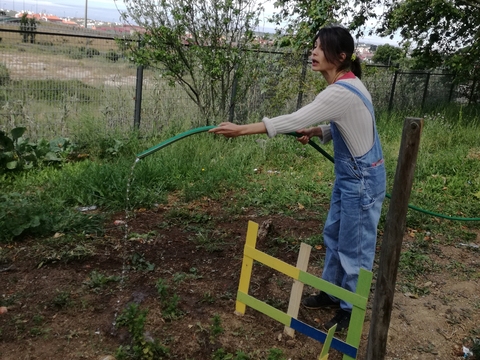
point(109, 10)
point(104, 10)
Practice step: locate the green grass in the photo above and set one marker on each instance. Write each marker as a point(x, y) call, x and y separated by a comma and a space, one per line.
point(270, 175)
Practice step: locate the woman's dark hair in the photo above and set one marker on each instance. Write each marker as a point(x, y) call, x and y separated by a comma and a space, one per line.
point(335, 40)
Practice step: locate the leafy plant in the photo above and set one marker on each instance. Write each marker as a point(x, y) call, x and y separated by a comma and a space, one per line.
point(222, 354)
point(62, 299)
point(112, 55)
point(19, 153)
point(138, 262)
point(216, 327)
point(4, 74)
point(206, 240)
point(133, 319)
point(97, 280)
point(275, 354)
point(169, 301)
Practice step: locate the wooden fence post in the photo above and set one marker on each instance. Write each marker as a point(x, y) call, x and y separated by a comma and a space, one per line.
point(392, 239)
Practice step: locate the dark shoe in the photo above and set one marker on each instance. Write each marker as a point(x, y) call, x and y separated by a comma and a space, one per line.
point(320, 301)
point(341, 318)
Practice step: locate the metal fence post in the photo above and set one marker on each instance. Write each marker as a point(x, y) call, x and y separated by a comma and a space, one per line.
point(472, 92)
point(138, 95)
point(425, 90)
point(302, 79)
point(233, 95)
point(452, 87)
point(392, 92)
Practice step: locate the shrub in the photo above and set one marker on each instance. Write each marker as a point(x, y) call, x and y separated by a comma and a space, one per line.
point(4, 75)
point(112, 55)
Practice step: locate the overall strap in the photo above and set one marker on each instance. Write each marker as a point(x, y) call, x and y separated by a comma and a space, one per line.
point(353, 89)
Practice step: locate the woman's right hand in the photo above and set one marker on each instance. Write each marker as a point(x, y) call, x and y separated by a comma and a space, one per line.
point(307, 134)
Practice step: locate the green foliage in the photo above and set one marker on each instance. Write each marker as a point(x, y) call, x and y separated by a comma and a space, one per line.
point(23, 214)
point(208, 240)
point(216, 327)
point(112, 55)
point(28, 28)
point(18, 153)
point(62, 299)
point(97, 280)
point(387, 55)
point(222, 354)
point(443, 33)
point(168, 301)
point(416, 261)
point(275, 354)
point(89, 51)
point(304, 19)
point(133, 319)
point(281, 176)
point(437, 34)
point(138, 263)
point(4, 75)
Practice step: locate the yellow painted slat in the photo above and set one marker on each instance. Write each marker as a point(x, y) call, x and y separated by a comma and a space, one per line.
point(272, 262)
point(247, 265)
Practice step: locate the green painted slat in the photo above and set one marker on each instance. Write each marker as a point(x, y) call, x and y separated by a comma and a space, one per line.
point(264, 308)
point(334, 290)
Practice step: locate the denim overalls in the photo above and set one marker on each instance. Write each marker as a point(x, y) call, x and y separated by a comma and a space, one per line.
point(350, 231)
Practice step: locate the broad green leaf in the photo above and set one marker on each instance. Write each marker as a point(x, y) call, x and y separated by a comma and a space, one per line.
point(18, 132)
point(12, 165)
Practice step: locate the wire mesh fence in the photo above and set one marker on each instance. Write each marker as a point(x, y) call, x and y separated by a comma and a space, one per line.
point(68, 80)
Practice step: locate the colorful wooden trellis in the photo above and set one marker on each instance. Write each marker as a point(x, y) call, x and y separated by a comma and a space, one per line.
point(359, 299)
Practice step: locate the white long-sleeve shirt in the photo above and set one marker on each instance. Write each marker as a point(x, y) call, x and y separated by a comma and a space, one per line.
point(336, 104)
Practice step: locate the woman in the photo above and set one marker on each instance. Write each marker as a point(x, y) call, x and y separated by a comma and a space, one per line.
point(350, 230)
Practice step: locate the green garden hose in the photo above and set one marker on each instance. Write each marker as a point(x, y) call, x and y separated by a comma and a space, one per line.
point(172, 140)
point(311, 143)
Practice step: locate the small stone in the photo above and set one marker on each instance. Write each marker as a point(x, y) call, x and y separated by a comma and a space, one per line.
point(290, 343)
point(3, 310)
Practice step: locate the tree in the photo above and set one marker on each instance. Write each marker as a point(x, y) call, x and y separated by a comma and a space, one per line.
point(444, 32)
point(387, 54)
point(28, 28)
point(303, 19)
point(198, 45)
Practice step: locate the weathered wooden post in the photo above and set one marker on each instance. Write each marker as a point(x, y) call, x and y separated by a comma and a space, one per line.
point(392, 239)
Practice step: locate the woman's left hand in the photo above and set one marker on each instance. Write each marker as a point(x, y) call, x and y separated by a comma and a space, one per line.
point(227, 129)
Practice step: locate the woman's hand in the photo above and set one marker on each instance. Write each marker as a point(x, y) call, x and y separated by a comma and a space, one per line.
point(229, 129)
point(307, 134)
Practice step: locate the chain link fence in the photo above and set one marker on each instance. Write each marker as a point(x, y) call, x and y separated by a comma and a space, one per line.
point(67, 80)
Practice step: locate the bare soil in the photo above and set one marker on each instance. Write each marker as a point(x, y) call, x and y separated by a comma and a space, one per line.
point(55, 312)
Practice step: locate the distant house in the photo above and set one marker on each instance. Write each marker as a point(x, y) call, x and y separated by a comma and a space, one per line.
point(51, 18)
point(20, 14)
point(128, 29)
point(69, 22)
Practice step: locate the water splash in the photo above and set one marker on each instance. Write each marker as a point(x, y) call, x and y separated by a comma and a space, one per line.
point(123, 246)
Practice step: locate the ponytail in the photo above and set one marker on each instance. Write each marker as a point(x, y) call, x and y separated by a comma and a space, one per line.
point(355, 65)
